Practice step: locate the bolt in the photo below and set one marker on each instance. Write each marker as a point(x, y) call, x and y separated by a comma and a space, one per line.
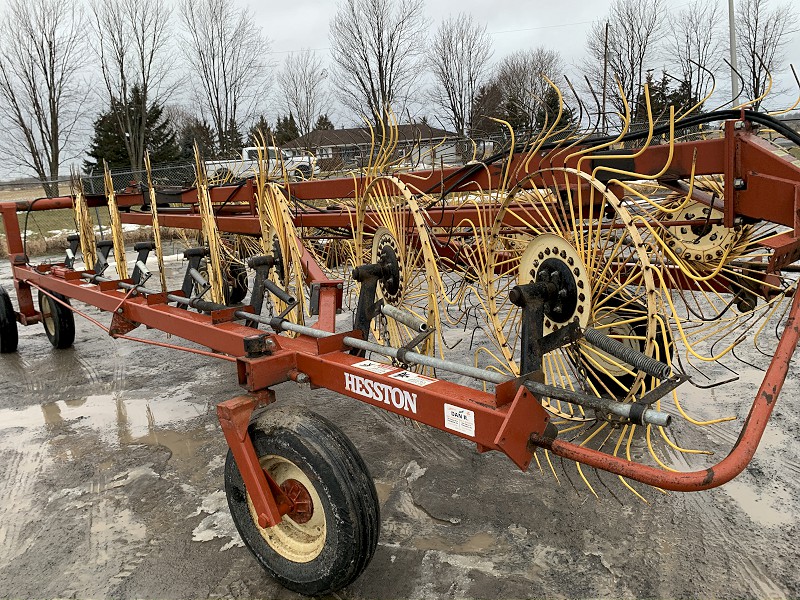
point(339, 286)
point(563, 254)
point(580, 283)
point(738, 183)
point(119, 310)
point(541, 256)
point(562, 293)
point(738, 125)
point(581, 297)
point(570, 261)
point(580, 308)
point(576, 271)
point(547, 251)
point(302, 378)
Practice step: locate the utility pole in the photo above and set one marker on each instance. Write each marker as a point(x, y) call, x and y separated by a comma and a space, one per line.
point(734, 68)
point(605, 74)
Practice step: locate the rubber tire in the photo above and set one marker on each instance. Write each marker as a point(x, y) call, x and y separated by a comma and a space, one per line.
point(237, 283)
point(9, 337)
point(63, 334)
point(301, 173)
point(341, 479)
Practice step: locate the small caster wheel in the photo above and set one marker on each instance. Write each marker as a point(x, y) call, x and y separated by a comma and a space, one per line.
point(331, 535)
point(9, 337)
point(235, 288)
point(58, 320)
point(237, 283)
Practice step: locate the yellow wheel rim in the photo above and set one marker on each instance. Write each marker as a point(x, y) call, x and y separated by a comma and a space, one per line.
point(297, 542)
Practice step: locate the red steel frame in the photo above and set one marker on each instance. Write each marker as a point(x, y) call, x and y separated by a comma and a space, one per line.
point(511, 420)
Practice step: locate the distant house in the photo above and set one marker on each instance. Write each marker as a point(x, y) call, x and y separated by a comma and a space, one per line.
point(418, 145)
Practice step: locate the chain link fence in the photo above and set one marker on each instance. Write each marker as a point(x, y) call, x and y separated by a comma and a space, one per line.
point(45, 232)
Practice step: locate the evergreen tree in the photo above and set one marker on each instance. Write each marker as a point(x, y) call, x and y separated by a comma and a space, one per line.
point(198, 131)
point(323, 122)
point(106, 144)
point(486, 105)
point(260, 133)
point(232, 140)
point(285, 130)
point(662, 96)
point(108, 141)
point(548, 111)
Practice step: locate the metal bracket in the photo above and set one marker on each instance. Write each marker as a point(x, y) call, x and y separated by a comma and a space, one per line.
point(140, 275)
point(195, 256)
point(103, 249)
point(74, 240)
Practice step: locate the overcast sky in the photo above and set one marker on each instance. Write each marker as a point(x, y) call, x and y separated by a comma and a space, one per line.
point(561, 25)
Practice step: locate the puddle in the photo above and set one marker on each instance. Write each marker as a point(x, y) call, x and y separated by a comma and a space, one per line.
point(384, 489)
point(118, 421)
point(765, 509)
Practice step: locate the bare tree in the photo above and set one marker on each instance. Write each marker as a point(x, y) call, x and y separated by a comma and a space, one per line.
point(41, 54)
point(525, 91)
point(696, 47)
point(626, 40)
point(225, 50)
point(376, 45)
point(460, 54)
point(302, 83)
point(133, 50)
point(761, 34)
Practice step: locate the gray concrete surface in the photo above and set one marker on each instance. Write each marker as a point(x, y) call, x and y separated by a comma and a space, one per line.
point(111, 465)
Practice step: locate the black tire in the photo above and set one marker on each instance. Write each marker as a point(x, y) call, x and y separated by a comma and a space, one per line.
point(302, 172)
point(58, 320)
point(294, 443)
point(236, 286)
point(9, 337)
point(222, 175)
point(237, 283)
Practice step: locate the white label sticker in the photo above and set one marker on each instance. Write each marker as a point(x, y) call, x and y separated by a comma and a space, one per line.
point(413, 378)
point(375, 367)
point(459, 419)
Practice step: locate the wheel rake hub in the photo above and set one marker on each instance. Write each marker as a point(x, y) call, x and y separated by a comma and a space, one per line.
point(551, 259)
point(302, 505)
point(385, 252)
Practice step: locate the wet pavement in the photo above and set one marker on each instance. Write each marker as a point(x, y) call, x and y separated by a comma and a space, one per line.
point(111, 462)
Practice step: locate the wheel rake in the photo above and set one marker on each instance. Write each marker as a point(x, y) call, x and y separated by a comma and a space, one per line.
point(560, 302)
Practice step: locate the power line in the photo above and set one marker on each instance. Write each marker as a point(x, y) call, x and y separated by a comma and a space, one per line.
point(540, 27)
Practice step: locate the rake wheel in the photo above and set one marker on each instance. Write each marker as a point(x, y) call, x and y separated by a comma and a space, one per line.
point(389, 220)
point(580, 229)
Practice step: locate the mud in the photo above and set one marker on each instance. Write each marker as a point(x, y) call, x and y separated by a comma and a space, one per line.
point(111, 463)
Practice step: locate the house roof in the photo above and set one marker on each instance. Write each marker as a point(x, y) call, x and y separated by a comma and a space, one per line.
point(360, 136)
